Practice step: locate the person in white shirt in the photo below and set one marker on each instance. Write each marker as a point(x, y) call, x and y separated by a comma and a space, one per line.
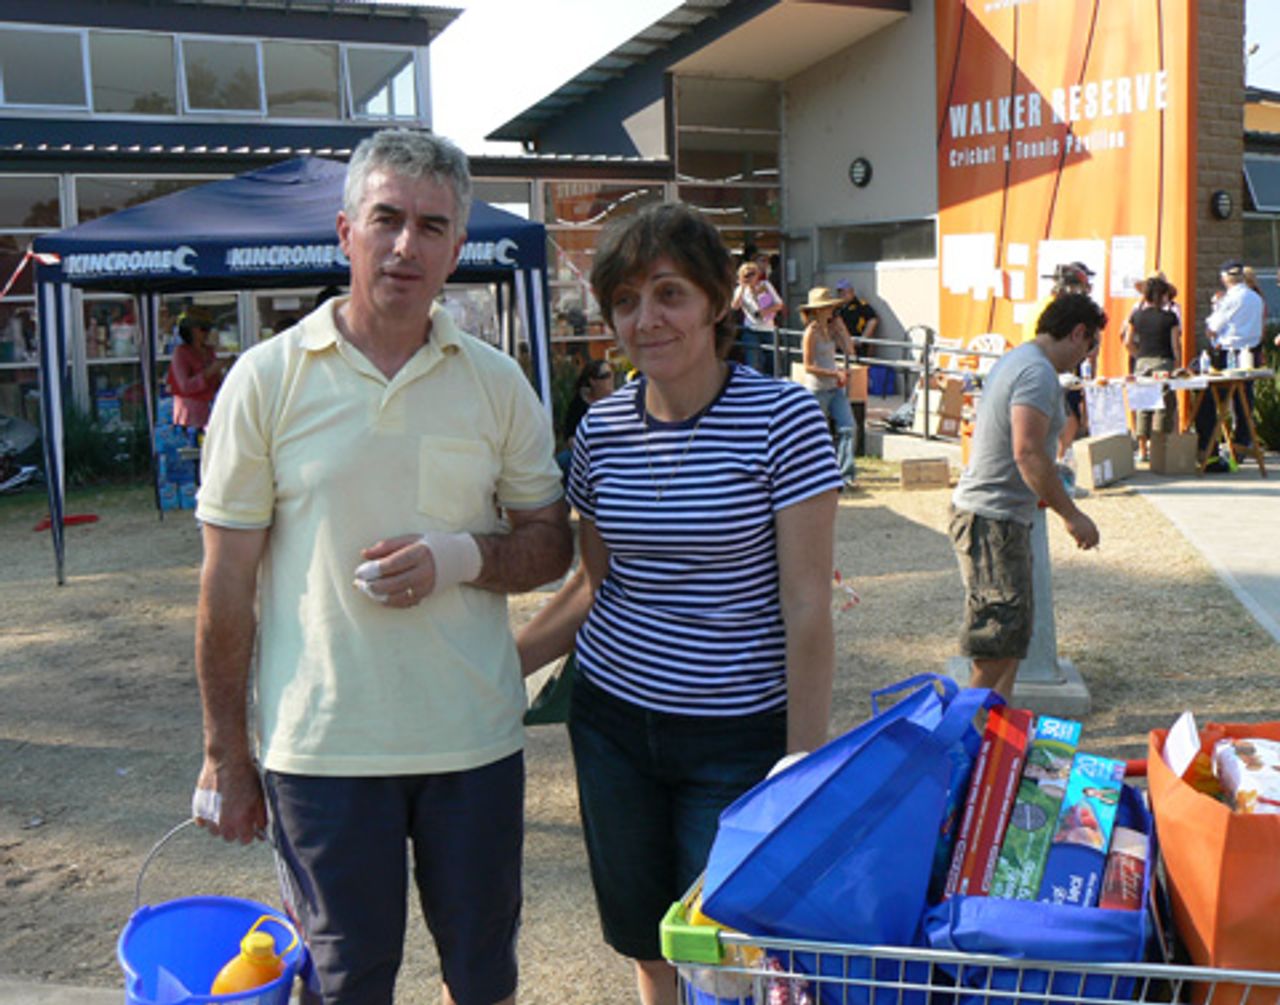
point(1234, 325)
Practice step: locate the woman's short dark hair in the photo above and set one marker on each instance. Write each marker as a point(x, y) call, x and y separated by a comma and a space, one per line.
point(680, 233)
point(1154, 290)
point(1060, 318)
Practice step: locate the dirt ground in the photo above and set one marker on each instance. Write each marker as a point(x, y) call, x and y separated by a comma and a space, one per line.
point(99, 715)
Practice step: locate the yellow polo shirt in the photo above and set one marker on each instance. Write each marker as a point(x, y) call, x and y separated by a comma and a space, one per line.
point(310, 439)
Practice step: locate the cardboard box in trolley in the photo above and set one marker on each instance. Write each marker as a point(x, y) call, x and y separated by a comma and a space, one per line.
point(1078, 856)
point(1035, 809)
point(989, 801)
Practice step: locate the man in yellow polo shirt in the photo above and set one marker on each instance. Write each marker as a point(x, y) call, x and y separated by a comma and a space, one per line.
point(379, 481)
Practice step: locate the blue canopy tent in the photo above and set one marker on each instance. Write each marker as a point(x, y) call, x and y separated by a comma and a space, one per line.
point(272, 227)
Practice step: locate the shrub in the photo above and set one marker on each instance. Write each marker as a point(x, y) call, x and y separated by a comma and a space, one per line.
point(1266, 396)
point(94, 453)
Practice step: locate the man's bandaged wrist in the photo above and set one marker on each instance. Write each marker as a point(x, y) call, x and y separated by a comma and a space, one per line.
point(457, 558)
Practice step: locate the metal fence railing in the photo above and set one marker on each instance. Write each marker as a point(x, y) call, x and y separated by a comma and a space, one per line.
point(922, 356)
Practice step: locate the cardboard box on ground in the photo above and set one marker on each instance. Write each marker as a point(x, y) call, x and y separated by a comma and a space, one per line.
point(926, 473)
point(1101, 460)
point(1173, 453)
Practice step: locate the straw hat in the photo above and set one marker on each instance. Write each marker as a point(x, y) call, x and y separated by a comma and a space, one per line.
point(821, 296)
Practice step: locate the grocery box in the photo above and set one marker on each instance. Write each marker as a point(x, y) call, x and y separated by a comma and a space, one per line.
point(1101, 460)
point(926, 473)
point(1033, 821)
point(1078, 856)
point(1173, 453)
point(995, 781)
point(168, 496)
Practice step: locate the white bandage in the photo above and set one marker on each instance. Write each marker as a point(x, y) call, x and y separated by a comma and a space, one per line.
point(368, 571)
point(457, 558)
point(206, 805)
point(361, 583)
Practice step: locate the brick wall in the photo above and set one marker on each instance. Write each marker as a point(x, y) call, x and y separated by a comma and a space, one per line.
point(1220, 144)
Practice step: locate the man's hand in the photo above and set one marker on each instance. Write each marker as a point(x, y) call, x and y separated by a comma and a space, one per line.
point(399, 571)
point(1084, 530)
point(405, 569)
point(236, 791)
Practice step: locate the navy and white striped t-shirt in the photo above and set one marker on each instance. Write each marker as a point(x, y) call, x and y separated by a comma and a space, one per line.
point(688, 619)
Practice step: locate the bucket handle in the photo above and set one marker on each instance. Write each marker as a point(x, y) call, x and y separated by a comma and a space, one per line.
point(155, 850)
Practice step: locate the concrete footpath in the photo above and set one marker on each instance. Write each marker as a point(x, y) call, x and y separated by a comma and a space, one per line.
point(1230, 518)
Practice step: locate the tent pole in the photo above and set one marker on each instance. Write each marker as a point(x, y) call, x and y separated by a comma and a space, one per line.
point(148, 311)
point(52, 320)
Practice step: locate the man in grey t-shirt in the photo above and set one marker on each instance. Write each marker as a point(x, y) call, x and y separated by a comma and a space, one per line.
point(1011, 469)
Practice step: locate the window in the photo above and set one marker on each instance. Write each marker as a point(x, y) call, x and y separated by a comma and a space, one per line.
point(29, 202)
point(1259, 240)
point(41, 68)
point(726, 206)
point(382, 83)
point(727, 160)
point(221, 76)
point(133, 73)
point(878, 242)
point(1262, 176)
point(302, 80)
point(29, 205)
point(595, 203)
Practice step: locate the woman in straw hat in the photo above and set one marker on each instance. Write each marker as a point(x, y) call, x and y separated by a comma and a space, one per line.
point(701, 614)
point(824, 333)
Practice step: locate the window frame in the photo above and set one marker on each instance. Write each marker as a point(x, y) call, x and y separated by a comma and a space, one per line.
point(341, 81)
point(85, 79)
point(421, 99)
point(177, 76)
point(184, 99)
point(824, 263)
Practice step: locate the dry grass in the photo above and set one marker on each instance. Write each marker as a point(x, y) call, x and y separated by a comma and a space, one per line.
point(99, 718)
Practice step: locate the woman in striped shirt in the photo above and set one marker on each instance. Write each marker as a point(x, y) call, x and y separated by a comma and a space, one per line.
point(701, 612)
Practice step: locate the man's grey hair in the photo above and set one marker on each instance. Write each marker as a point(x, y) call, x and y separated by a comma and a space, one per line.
point(413, 154)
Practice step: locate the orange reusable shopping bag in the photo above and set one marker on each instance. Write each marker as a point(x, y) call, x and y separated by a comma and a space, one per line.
point(1223, 867)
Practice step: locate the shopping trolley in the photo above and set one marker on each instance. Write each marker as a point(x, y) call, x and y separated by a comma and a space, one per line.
point(717, 966)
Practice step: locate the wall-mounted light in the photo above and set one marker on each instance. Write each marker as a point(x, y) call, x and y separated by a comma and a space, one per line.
point(860, 172)
point(1221, 204)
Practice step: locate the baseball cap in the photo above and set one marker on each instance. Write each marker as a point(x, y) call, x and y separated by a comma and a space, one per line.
point(1232, 266)
point(842, 285)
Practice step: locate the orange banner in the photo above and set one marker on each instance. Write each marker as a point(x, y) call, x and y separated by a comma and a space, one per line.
point(1065, 133)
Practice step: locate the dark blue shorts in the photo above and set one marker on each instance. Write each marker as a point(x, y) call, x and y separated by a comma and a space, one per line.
point(651, 787)
point(343, 845)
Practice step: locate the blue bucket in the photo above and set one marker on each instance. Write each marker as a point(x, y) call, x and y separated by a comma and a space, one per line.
point(171, 952)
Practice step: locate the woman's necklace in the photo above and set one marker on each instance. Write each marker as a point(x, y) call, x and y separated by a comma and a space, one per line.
point(660, 488)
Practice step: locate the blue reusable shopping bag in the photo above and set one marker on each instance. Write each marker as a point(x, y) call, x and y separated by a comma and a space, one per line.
point(1030, 930)
point(838, 847)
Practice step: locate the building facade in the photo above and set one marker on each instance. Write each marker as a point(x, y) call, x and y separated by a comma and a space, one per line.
point(831, 126)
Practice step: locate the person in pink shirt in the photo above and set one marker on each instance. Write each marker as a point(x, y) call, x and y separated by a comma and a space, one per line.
point(195, 374)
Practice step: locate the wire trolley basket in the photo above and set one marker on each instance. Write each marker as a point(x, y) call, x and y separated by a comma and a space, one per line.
point(717, 966)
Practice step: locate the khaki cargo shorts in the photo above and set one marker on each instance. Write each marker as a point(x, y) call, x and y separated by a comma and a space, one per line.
point(995, 562)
